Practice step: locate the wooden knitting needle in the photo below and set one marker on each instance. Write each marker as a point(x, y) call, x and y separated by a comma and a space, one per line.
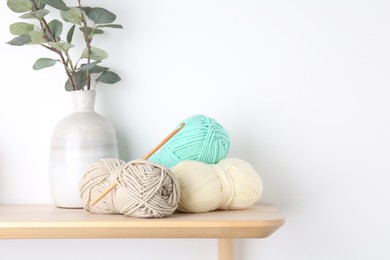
point(166, 139)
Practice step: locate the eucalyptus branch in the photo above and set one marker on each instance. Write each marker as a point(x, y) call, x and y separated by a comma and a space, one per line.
point(88, 44)
point(48, 34)
point(68, 72)
point(46, 30)
point(66, 62)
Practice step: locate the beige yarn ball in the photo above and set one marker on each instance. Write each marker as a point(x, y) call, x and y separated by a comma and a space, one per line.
point(97, 178)
point(144, 189)
point(230, 184)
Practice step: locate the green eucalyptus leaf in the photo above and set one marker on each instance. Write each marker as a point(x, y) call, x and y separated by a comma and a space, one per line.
point(41, 5)
point(20, 6)
point(73, 15)
point(58, 4)
point(69, 36)
point(61, 46)
point(96, 54)
point(55, 27)
point(98, 69)
point(116, 26)
point(37, 37)
point(20, 28)
point(86, 66)
point(90, 30)
point(20, 40)
point(80, 78)
point(87, 10)
point(44, 63)
point(101, 15)
point(38, 14)
point(68, 86)
point(108, 77)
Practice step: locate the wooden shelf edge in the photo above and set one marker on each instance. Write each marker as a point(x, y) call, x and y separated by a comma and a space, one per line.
point(42, 222)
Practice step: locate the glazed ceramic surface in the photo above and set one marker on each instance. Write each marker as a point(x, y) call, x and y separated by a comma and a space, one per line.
point(78, 140)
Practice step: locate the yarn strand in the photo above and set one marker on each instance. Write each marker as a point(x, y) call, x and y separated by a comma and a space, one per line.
point(144, 189)
point(113, 185)
point(230, 184)
point(203, 139)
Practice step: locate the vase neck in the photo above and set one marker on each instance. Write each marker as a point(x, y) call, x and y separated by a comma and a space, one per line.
point(83, 99)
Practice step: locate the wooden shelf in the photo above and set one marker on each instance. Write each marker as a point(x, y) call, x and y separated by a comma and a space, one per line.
point(45, 221)
point(38, 221)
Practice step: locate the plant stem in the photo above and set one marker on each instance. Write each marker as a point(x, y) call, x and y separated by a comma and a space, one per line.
point(88, 40)
point(68, 72)
point(66, 62)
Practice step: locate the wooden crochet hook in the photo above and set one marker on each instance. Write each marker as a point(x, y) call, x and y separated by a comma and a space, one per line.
point(166, 139)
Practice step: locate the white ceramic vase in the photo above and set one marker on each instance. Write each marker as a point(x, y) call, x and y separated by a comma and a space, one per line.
point(78, 140)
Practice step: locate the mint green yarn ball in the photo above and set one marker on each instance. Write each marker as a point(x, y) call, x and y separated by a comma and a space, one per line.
point(202, 139)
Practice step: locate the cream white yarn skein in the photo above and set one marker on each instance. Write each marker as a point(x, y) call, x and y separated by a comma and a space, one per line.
point(144, 189)
point(230, 184)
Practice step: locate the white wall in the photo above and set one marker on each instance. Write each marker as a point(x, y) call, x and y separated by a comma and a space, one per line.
point(303, 87)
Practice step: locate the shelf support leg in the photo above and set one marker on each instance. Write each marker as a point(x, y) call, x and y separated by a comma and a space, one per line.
point(225, 249)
